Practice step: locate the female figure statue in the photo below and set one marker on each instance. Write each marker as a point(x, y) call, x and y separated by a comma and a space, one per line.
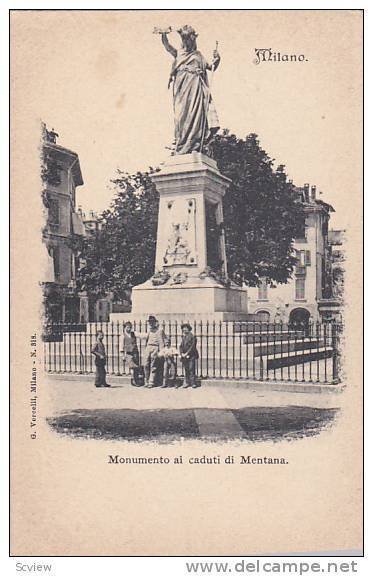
point(196, 121)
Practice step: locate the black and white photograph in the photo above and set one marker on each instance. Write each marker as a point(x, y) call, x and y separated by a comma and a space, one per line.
point(192, 313)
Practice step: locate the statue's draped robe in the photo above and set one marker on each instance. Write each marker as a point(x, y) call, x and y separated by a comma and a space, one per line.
point(195, 113)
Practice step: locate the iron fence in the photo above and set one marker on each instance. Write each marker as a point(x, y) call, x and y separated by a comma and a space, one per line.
point(227, 350)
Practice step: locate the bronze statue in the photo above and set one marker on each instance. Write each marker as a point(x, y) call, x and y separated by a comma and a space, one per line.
point(196, 120)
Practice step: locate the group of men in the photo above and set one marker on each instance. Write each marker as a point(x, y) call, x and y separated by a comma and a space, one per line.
point(159, 356)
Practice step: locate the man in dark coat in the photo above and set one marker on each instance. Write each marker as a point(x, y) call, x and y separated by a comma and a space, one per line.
point(189, 355)
point(99, 353)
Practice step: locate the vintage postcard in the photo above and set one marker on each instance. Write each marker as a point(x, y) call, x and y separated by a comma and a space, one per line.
point(186, 305)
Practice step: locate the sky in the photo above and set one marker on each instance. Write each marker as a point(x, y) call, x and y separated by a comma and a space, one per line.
point(100, 80)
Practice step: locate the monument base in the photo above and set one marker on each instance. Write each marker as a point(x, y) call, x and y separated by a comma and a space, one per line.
point(193, 296)
point(179, 317)
point(196, 299)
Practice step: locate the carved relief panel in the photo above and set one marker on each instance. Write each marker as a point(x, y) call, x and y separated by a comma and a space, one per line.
point(180, 219)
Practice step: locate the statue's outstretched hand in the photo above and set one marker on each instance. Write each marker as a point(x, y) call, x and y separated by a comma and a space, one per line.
point(164, 36)
point(158, 30)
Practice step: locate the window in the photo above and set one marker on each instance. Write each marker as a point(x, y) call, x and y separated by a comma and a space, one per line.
point(56, 262)
point(304, 259)
point(263, 290)
point(300, 285)
point(262, 316)
point(72, 266)
point(54, 212)
point(302, 234)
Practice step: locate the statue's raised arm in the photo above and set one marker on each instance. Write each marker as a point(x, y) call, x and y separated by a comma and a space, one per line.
point(196, 121)
point(168, 46)
point(164, 34)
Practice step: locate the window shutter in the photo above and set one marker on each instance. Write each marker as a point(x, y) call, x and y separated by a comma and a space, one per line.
point(307, 258)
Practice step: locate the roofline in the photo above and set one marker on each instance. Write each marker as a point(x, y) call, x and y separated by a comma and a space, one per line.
point(317, 201)
point(75, 165)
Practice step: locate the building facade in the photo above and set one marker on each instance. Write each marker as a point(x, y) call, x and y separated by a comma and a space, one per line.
point(336, 239)
point(331, 306)
point(61, 175)
point(93, 309)
point(308, 295)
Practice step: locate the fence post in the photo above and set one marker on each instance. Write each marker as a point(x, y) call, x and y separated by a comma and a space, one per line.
point(261, 367)
point(281, 350)
point(207, 348)
point(201, 355)
point(220, 349)
point(325, 346)
point(335, 345)
point(274, 346)
point(118, 355)
point(310, 344)
point(177, 348)
point(213, 347)
point(233, 348)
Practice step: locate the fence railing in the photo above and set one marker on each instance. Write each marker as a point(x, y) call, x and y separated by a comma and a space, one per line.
point(227, 350)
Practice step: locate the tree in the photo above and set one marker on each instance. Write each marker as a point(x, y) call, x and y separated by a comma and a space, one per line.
point(262, 216)
point(122, 253)
point(262, 212)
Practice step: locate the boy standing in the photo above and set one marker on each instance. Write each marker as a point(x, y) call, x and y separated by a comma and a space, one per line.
point(169, 367)
point(189, 355)
point(99, 353)
point(130, 351)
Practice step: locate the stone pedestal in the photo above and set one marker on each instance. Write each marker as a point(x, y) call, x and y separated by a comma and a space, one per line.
point(189, 185)
point(194, 296)
point(191, 190)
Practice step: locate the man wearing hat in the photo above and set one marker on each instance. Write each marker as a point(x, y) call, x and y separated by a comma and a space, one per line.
point(155, 341)
point(188, 355)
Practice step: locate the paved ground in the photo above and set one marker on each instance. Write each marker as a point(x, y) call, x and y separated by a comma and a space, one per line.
point(211, 413)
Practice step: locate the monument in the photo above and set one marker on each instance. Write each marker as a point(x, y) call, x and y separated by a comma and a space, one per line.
point(190, 277)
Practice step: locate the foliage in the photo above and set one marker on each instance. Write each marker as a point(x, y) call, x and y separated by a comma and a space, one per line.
point(51, 169)
point(262, 213)
point(122, 253)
